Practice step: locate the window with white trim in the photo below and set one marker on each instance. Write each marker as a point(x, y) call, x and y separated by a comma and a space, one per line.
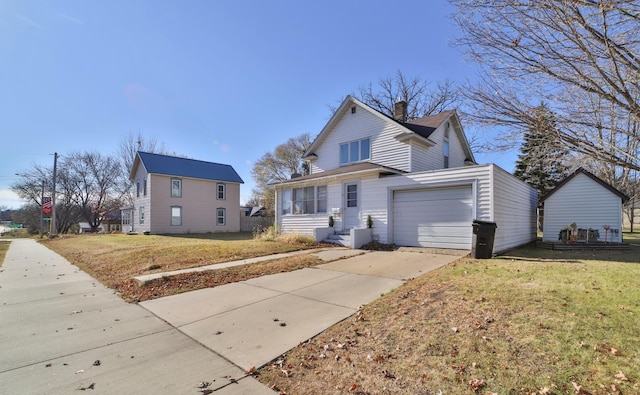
point(355, 151)
point(176, 187)
point(176, 215)
point(306, 200)
point(221, 191)
point(221, 216)
point(138, 187)
point(144, 186)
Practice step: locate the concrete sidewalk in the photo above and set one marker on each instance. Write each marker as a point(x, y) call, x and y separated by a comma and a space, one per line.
point(253, 322)
point(61, 332)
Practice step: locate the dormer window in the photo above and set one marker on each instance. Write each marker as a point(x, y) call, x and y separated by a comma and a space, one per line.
point(355, 151)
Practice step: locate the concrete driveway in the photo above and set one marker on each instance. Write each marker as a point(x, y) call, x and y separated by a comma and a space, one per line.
point(252, 322)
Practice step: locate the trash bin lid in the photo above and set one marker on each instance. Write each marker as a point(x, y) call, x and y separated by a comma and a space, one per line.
point(487, 223)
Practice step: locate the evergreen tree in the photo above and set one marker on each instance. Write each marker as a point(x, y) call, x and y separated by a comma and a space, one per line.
point(543, 158)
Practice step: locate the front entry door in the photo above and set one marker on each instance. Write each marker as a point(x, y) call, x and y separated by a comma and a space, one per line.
point(351, 206)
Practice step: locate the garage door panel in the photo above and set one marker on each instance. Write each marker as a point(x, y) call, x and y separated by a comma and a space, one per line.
point(438, 218)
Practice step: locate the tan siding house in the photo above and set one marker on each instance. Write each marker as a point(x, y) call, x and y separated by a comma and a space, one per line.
point(180, 195)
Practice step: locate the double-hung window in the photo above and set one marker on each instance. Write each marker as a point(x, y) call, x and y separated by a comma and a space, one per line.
point(176, 187)
point(306, 200)
point(355, 151)
point(141, 214)
point(176, 215)
point(144, 186)
point(221, 216)
point(221, 191)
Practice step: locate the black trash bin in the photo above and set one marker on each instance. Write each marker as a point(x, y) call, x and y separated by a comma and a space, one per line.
point(482, 241)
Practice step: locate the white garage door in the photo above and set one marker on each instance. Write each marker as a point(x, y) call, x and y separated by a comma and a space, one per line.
point(435, 217)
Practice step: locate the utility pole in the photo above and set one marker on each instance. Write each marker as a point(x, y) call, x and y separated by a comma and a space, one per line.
point(41, 207)
point(52, 230)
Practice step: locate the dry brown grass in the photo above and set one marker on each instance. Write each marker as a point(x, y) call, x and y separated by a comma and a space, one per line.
point(4, 246)
point(116, 259)
point(565, 324)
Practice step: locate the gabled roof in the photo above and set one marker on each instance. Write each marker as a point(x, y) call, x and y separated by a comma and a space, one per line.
point(349, 170)
point(184, 167)
point(591, 176)
point(422, 127)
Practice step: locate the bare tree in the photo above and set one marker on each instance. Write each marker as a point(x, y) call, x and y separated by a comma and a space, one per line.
point(127, 149)
point(279, 165)
point(29, 187)
point(93, 178)
point(569, 53)
point(422, 100)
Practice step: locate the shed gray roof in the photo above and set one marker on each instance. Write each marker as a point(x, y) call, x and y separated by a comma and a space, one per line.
point(184, 167)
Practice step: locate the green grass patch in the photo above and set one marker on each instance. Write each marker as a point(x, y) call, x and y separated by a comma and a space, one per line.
point(534, 322)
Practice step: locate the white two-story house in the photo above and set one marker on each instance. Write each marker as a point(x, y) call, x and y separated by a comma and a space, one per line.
point(181, 195)
point(416, 180)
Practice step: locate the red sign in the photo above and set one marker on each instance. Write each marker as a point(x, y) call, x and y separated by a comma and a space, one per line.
point(46, 205)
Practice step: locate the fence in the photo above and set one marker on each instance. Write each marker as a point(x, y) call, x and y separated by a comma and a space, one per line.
point(248, 224)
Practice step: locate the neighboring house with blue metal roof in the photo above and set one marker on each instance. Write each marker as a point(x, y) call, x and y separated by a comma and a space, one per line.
point(181, 195)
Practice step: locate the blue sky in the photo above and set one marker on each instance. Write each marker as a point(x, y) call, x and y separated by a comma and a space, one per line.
point(221, 81)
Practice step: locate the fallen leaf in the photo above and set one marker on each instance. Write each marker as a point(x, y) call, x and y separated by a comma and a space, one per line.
point(544, 391)
point(203, 384)
point(97, 363)
point(388, 375)
point(613, 351)
point(353, 387)
point(620, 376)
point(48, 365)
point(250, 371)
point(476, 384)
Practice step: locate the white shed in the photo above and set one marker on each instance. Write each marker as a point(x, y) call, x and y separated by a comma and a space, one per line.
point(584, 199)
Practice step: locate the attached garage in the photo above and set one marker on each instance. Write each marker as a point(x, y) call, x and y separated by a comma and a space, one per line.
point(433, 217)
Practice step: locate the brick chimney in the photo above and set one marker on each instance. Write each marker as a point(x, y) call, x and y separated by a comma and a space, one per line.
point(400, 111)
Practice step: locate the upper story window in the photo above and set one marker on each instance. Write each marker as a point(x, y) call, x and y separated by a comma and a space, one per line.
point(355, 151)
point(144, 186)
point(176, 187)
point(138, 188)
point(221, 191)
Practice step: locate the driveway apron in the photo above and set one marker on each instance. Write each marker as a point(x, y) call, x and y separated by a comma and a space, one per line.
point(61, 332)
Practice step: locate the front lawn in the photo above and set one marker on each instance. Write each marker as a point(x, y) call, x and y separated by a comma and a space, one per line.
point(116, 259)
point(533, 322)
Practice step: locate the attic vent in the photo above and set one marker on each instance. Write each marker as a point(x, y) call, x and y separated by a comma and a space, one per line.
point(353, 110)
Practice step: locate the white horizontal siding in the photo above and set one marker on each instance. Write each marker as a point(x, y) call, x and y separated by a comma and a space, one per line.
point(514, 208)
point(585, 202)
point(378, 192)
point(516, 225)
point(385, 149)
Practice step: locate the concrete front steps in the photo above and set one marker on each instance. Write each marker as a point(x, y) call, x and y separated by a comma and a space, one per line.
point(343, 239)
